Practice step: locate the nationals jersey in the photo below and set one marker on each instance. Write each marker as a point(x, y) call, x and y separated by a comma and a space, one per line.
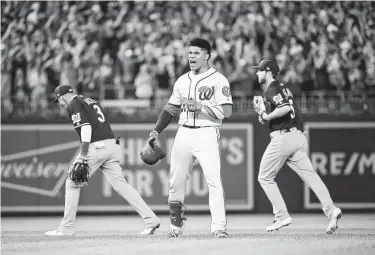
point(86, 111)
point(208, 87)
point(278, 95)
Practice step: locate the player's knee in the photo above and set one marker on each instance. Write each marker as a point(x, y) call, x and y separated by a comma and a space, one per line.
point(214, 184)
point(265, 180)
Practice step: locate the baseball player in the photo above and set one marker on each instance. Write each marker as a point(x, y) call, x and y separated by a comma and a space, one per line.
point(99, 149)
point(203, 97)
point(288, 144)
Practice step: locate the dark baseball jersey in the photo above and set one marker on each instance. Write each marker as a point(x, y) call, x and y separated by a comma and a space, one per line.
point(86, 111)
point(277, 95)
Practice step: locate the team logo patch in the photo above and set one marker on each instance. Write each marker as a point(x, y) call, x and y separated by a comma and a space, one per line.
point(226, 91)
point(278, 98)
point(205, 93)
point(76, 118)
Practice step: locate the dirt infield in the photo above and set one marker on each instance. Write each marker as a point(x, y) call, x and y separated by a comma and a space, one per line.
point(119, 235)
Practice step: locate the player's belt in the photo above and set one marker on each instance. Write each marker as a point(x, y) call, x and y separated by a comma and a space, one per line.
point(195, 126)
point(282, 131)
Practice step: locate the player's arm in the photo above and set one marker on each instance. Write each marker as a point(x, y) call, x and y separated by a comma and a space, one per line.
point(218, 111)
point(277, 113)
point(166, 116)
point(86, 132)
point(223, 97)
point(170, 110)
point(276, 97)
point(80, 119)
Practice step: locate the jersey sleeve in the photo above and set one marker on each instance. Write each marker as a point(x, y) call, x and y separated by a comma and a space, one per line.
point(79, 115)
point(276, 97)
point(175, 98)
point(222, 91)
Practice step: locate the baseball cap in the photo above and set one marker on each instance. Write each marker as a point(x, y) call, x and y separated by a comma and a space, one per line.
point(268, 65)
point(60, 91)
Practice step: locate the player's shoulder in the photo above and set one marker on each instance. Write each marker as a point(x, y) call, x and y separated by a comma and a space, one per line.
point(86, 100)
point(81, 101)
point(76, 101)
point(183, 78)
point(219, 76)
point(274, 86)
point(272, 89)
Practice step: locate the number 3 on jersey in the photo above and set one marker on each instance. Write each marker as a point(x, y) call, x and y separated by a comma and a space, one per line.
point(292, 113)
point(100, 113)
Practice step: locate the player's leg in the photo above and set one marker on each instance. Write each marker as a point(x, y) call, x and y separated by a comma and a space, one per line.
point(113, 172)
point(272, 161)
point(181, 163)
point(207, 152)
point(301, 164)
point(72, 193)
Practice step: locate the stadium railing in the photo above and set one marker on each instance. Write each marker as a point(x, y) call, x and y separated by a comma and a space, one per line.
point(316, 102)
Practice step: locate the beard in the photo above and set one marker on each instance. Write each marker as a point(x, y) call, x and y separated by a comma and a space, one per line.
point(63, 106)
point(262, 80)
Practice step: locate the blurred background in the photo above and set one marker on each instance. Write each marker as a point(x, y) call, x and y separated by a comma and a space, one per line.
point(128, 56)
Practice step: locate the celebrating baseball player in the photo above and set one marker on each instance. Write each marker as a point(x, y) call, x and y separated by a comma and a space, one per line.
point(288, 144)
point(204, 98)
point(98, 150)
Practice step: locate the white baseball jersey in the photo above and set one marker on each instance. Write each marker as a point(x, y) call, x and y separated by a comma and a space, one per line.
point(210, 87)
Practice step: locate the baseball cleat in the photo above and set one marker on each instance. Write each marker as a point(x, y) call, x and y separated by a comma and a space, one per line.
point(149, 230)
point(333, 219)
point(175, 231)
point(220, 234)
point(56, 232)
point(277, 224)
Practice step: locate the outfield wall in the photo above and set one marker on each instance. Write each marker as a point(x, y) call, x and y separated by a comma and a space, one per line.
point(35, 159)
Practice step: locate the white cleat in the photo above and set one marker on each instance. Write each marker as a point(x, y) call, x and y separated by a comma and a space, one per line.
point(149, 230)
point(56, 232)
point(175, 231)
point(277, 224)
point(333, 219)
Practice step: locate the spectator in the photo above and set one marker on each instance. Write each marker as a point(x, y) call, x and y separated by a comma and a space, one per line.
point(319, 45)
point(144, 82)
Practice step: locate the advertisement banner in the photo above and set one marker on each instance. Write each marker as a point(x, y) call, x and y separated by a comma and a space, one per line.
point(343, 154)
point(35, 159)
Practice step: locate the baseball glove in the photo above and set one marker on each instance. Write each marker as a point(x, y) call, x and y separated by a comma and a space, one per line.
point(80, 171)
point(151, 153)
point(259, 105)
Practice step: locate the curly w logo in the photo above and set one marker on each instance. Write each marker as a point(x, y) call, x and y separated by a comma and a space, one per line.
point(205, 93)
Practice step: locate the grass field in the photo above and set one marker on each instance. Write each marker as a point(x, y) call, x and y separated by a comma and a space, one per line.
point(119, 235)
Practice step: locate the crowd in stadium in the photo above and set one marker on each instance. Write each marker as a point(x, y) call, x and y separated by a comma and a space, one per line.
point(119, 50)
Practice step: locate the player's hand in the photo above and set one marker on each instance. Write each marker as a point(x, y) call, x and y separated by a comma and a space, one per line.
point(261, 121)
point(153, 137)
point(193, 105)
point(80, 159)
point(259, 105)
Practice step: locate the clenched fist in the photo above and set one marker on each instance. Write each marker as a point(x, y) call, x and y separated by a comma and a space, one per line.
point(193, 105)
